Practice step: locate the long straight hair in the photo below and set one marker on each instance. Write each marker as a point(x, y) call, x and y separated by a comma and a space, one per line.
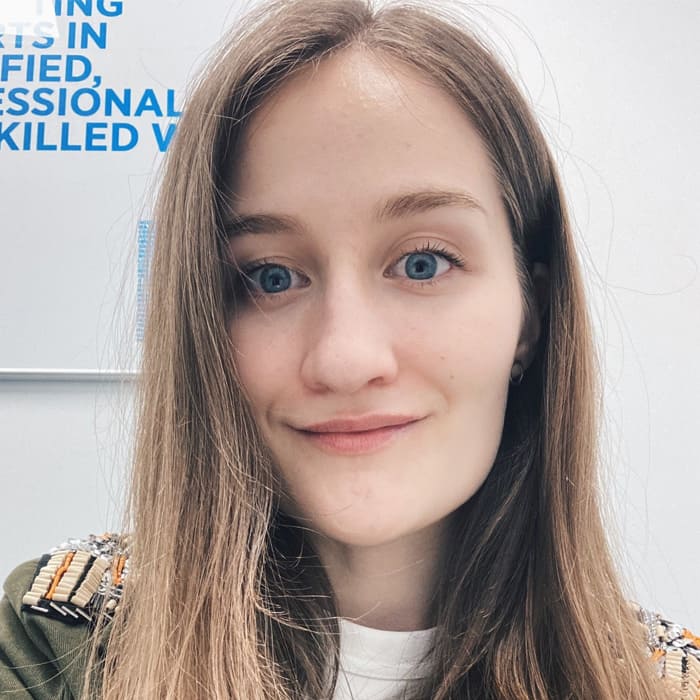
point(227, 598)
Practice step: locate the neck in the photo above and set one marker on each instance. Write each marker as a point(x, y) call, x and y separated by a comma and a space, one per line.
point(387, 586)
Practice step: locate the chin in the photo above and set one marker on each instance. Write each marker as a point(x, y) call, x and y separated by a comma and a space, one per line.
point(363, 534)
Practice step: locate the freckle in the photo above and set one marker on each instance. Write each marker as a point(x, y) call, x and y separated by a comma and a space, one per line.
point(452, 376)
point(442, 357)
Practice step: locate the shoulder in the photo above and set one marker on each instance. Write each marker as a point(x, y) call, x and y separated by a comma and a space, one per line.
point(79, 578)
point(50, 607)
point(674, 649)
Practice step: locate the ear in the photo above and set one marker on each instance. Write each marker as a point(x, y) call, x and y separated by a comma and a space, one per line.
point(530, 334)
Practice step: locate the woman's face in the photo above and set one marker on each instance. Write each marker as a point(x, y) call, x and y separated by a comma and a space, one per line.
point(373, 298)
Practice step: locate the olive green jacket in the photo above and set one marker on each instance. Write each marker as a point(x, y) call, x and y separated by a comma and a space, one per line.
point(49, 612)
point(40, 657)
point(51, 604)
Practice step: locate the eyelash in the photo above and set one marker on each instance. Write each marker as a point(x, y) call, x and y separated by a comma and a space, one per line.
point(242, 285)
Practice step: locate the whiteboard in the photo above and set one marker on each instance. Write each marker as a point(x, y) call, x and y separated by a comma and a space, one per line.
point(90, 93)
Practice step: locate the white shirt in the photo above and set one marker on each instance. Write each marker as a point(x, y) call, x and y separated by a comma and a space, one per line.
point(378, 664)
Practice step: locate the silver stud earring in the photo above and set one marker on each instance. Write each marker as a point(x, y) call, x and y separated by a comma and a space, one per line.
point(517, 373)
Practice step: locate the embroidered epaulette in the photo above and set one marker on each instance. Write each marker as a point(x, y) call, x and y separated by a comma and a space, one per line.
point(79, 579)
point(676, 652)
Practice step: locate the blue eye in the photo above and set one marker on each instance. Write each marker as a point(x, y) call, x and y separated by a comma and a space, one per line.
point(273, 278)
point(423, 262)
point(422, 265)
point(265, 278)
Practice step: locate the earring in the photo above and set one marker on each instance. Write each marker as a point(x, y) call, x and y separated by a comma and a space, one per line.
point(517, 373)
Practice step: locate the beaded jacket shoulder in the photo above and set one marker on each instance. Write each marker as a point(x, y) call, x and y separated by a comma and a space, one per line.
point(80, 579)
point(675, 651)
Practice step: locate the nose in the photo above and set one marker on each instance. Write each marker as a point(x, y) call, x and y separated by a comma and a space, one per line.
point(349, 342)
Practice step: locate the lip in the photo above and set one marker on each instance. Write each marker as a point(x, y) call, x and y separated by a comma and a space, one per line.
point(359, 423)
point(335, 437)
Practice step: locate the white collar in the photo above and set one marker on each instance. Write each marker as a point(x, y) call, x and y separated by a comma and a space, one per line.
point(384, 654)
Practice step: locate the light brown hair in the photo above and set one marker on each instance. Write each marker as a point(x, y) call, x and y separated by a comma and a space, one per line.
point(226, 598)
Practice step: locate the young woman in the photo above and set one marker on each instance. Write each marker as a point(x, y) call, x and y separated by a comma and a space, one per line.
point(366, 451)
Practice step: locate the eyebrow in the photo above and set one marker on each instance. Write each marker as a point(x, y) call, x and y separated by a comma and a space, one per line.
point(396, 206)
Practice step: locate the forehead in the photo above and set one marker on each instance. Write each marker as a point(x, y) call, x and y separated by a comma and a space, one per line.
point(352, 129)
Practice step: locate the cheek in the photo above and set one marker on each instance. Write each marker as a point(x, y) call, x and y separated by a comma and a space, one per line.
point(470, 343)
point(258, 356)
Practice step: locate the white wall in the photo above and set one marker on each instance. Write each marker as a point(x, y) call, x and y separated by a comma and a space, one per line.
point(615, 84)
point(65, 445)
